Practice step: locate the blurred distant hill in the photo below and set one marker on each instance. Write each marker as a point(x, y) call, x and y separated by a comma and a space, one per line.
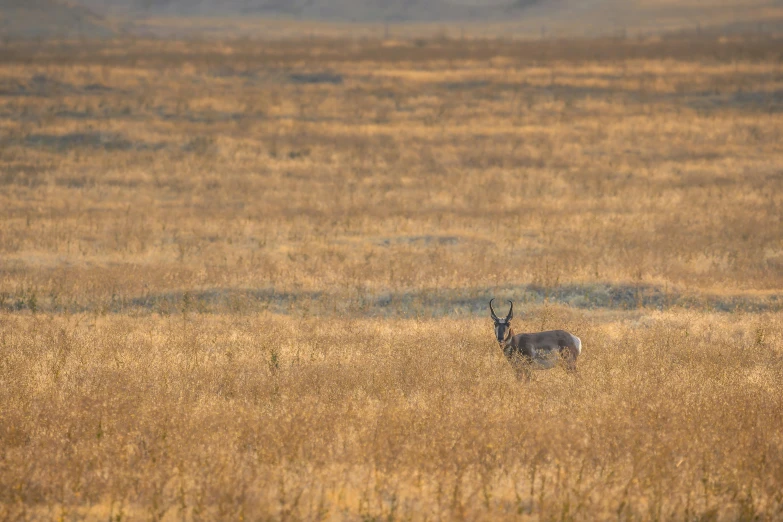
point(517, 17)
point(332, 10)
point(51, 19)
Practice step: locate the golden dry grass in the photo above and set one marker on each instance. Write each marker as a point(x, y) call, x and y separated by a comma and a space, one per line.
point(673, 415)
point(245, 280)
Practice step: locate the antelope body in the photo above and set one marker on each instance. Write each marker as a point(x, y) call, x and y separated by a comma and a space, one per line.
point(540, 350)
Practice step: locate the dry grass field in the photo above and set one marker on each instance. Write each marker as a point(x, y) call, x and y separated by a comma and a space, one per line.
point(246, 280)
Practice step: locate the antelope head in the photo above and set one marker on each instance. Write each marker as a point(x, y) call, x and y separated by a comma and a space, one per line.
point(502, 326)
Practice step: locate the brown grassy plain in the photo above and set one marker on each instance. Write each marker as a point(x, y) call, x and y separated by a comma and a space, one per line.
point(244, 280)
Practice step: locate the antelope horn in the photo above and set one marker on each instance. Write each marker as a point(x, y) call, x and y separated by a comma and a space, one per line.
point(510, 312)
point(491, 311)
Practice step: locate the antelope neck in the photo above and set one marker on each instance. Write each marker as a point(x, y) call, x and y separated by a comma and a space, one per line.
point(509, 335)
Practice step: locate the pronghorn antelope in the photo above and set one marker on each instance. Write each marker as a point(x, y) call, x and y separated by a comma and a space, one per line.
point(540, 350)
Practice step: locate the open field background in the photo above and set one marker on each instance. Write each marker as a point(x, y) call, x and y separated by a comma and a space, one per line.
point(245, 280)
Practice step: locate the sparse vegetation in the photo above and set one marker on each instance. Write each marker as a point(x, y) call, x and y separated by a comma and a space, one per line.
point(243, 280)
